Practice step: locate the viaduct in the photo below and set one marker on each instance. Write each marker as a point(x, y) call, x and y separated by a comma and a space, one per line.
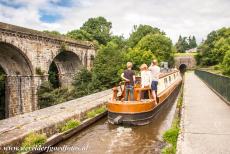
point(26, 56)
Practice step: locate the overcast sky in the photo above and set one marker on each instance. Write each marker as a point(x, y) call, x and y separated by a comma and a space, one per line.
point(175, 17)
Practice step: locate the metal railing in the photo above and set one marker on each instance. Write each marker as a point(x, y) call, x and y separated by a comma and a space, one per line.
point(221, 84)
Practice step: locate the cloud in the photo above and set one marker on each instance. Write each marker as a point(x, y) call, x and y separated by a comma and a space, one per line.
point(175, 17)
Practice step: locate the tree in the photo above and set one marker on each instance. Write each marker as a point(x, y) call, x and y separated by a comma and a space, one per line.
point(158, 44)
point(193, 43)
point(108, 65)
point(80, 35)
point(141, 31)
point(213, 49)
point(138, 57)
point(99, 28)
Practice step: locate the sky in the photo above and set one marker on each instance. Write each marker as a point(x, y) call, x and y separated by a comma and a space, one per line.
point(174, 17)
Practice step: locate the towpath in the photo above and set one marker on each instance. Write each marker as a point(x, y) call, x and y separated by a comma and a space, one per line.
point(205, 125)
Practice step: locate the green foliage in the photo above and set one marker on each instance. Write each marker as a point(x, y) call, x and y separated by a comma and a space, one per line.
point(83, 84)
point(139, 57)
point(158, 44)
point(140, 32)
point(95, 112)
point(48, 96)
point(185, 43)
point(33, 140)
point(108, 62)
point(53, 75)
point(72, 123)
point(80, 34)
point(226, 63)
point(212, 50)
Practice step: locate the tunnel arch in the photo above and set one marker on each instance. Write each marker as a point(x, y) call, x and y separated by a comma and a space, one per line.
point(182, 68)
point(67, 63)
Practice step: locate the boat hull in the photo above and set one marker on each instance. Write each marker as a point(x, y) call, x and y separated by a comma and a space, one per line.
point(142, 117)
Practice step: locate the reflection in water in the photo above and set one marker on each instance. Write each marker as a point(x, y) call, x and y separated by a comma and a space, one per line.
point(103, 137)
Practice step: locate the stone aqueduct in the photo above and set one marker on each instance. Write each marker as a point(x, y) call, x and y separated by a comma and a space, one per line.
point(26, 56)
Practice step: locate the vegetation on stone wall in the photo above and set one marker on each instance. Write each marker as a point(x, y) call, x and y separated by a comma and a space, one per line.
point(95, 112)
point(70, 124)
point(33, 140)
point(215, 50)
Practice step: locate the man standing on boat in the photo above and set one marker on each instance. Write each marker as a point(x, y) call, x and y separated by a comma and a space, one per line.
point(155, 73)
point(129, 76)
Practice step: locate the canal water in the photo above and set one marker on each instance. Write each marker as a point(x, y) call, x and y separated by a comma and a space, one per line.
point(105, 138)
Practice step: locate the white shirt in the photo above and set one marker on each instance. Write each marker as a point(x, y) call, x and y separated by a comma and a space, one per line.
point(155, 72)
point(145, 78)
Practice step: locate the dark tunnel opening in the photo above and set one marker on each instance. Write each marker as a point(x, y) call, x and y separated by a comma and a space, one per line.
point(182, 68)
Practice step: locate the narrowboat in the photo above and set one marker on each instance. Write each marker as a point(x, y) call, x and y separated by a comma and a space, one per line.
point(142, 110)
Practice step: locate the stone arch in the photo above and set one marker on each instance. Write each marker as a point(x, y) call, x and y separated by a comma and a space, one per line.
point(19, 79)
point(182, 68)
point(67, 63)
point(14, 61)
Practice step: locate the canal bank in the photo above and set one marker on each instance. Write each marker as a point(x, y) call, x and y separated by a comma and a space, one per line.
point(48, 120)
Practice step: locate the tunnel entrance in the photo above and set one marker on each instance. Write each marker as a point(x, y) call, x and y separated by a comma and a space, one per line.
point(182, 68)
point(53, 75)
point(2, 94)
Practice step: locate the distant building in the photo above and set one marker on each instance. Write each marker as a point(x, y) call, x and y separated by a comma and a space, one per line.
point(191, 50)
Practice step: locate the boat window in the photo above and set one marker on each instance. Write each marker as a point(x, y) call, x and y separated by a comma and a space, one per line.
point(166, 82)
point(170, 79)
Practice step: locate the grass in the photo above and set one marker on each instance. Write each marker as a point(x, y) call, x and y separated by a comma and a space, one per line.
point(31, 141)
point(170, 136)
point(95, 112)
point(72, 123)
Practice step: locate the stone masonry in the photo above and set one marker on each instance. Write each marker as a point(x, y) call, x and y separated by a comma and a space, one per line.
point(189, 61)
point(26, 56)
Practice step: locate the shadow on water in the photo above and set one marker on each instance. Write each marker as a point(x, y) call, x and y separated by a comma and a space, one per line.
point(103, 137)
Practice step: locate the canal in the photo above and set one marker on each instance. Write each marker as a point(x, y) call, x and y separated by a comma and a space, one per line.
point(103, 137)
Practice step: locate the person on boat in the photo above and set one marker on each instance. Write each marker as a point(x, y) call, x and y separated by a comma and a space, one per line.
point(155, 73)
point(145, 77)
point(129, 76)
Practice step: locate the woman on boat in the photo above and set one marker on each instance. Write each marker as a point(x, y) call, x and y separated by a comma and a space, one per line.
point(145, 78)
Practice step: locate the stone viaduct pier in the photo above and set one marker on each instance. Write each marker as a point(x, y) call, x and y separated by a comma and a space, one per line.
point(26, 56)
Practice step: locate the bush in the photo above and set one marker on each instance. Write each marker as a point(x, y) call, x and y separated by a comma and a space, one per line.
point(226, 63)
point(48, 96)
point(70, 125)
point(33, 140)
